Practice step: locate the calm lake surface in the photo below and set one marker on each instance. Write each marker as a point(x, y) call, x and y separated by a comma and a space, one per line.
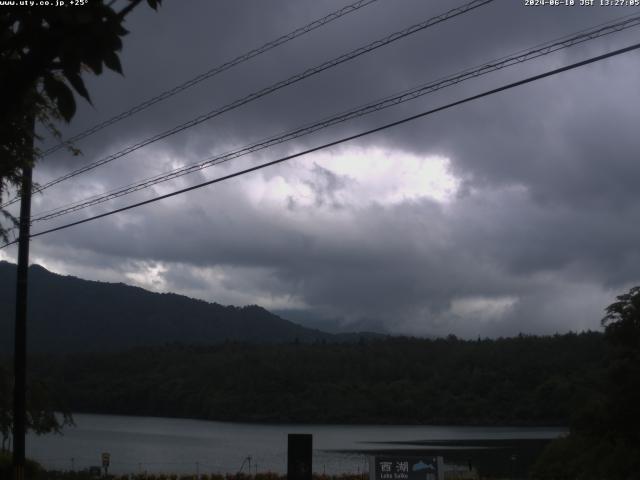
point(139, 444)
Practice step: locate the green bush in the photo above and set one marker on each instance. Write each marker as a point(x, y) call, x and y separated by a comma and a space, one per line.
point(577, 457)
point(32, 469)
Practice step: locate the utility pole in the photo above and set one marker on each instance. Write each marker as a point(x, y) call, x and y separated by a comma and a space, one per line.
point(20, 344)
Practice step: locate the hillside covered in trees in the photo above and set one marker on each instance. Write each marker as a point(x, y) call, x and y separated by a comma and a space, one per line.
point(69, 314)
point(523, 380)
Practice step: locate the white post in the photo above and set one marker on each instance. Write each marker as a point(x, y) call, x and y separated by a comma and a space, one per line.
point(440, 463)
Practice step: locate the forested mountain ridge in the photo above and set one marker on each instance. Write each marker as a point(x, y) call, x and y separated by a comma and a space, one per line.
point(513, 381)
point(68, 314)
point(169, 355)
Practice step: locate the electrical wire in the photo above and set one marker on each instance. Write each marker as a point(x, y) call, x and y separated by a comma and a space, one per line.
point(507, 61)
point(212, 72)
point(345, 139)
point(270, 89)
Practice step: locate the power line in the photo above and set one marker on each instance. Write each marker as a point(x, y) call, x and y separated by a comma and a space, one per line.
point(503, 62)
point(602, 29)
point(214, 71)
point(345, 139)
point(272, 88)
point(208, 74)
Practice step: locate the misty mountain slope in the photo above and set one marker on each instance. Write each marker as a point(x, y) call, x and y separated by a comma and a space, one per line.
point(70, 314)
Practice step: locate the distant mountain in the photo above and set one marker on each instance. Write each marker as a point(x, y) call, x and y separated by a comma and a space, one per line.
point(68, 314)
point(368, 328)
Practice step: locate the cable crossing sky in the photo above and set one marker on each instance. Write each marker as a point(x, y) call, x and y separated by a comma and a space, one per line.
point(487, 93)
point(504, 62)
point(274, 87)
point(214, 71)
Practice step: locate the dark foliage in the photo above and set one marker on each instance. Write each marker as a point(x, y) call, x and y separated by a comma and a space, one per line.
point(45, 413)
point(604, 442)
point(36, 472)
point(33, 469)
point(524, 380)
point(623, 381)
point(43, 52)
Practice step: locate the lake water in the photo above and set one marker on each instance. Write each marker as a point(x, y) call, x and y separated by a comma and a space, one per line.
point(139, 444)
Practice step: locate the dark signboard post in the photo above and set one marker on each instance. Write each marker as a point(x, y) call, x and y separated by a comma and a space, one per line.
point(299, 463)
point(402, 467)
point(106, 460)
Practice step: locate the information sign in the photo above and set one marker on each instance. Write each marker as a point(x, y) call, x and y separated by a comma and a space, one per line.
point(402, 467)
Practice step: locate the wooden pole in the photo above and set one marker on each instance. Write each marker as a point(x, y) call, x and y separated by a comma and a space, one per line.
point(20, 345)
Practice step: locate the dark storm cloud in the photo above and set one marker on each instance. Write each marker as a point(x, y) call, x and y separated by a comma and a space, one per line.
point(541, 235)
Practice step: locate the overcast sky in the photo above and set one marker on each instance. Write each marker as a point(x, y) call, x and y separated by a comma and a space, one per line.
point(519, 212)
